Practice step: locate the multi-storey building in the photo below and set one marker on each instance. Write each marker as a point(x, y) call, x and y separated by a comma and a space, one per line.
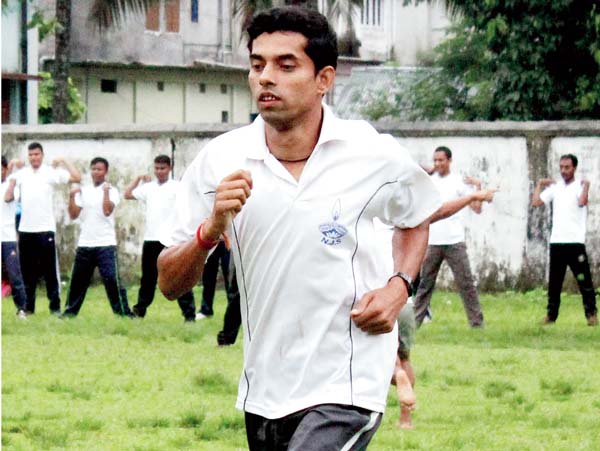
point(186, 60)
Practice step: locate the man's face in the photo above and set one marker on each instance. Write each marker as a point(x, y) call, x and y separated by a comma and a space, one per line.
point(98, 173)
point(441, 163)
point(36, 156)
point(282, 79)
point(4, 173)
point(161, 172)
point(567, 170)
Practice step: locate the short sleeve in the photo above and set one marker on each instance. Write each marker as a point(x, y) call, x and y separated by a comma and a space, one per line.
point(194, 201)
point(547, 195)
point(60, 176)
point(141, 192)
point(113, 195)
point(78, 200)
point(413, 197)
point(462, 188)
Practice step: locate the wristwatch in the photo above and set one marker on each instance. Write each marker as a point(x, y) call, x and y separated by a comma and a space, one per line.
point(407, 280)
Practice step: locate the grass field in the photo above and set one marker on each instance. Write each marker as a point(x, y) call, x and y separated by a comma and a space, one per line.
point(98, 382)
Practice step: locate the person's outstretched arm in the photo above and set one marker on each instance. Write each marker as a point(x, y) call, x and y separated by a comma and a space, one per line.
point(454, 206)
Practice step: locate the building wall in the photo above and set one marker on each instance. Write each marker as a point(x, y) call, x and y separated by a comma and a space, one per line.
point(507, 243)
point(226, 96)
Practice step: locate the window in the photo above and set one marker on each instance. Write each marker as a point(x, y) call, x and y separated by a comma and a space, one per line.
point(223, 89)
point(163, 16)
point(108, 85)
point(371, 12)
point(202, 87)
point(195, 11)
point(224, 117)
point(160, 85)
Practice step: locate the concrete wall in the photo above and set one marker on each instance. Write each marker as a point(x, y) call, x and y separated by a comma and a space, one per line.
point(507, 242)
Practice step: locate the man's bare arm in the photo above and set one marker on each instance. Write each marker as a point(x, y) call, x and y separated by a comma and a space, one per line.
point(75, 175)
point(180, 267)
point(9, 194)
point(454, 206)
point(536, 200)
point(74, 209)
point(584, 196)
point(377, 310)
point(133, 185)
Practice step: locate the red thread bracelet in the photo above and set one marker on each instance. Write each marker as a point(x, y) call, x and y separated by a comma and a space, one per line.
point(206, 245)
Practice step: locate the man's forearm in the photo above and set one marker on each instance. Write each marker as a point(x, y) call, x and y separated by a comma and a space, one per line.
point(409, 247)
point(73, 171)
point(180, 268)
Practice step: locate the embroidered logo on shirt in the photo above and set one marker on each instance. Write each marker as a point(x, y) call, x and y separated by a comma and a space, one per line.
point(332, 231)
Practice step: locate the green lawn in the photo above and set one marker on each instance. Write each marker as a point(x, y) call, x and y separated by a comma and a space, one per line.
point(98, 382)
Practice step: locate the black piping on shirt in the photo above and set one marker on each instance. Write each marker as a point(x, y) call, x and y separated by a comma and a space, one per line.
point(354, 280)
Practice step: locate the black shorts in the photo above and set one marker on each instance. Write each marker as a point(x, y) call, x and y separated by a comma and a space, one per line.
point(326, 427)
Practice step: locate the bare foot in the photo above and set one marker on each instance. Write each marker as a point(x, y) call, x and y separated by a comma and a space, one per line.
point(405, 421)
point(406, 394)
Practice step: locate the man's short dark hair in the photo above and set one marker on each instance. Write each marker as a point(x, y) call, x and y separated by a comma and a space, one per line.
point(96, 160)
point(4, 162)
point(163, 159)
point(321, 47)
point(35, 145)
point(444, 149)
point(570, 156)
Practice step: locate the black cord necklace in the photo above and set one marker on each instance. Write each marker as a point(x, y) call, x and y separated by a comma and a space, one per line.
point(281, 160)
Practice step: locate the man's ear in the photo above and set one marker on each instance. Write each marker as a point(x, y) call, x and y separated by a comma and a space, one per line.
point(325, 79)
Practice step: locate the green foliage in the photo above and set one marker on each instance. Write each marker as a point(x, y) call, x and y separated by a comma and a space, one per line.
point(45, 27)
point(45, 97)
point(535, 60)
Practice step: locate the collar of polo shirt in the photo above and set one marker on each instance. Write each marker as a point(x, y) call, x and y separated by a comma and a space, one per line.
point(329, 132)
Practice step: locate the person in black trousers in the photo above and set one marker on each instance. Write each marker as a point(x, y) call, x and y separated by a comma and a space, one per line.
point(97, 246)
point(569, 199)
point(159, 198)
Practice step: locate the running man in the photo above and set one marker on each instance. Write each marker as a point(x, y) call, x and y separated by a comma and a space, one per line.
point(296, 192)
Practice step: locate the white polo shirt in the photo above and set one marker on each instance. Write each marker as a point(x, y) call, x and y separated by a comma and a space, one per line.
point(37, 197)
point(568, 218)
point(9, 234)
point(305, 255)
point(96, 228)
point(160, 204)
point(451, 229)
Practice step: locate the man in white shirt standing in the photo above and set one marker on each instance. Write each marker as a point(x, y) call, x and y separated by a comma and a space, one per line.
point(159, 197)
point(447, 242)
point(37, 228)
point(97, 245)
point(10, 256)
point(296, 191)
point(569, 199)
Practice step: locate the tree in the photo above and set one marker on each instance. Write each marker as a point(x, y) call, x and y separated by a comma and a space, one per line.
point(534, 60)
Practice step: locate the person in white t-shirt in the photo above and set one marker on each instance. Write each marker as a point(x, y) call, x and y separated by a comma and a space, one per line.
point(447, 242)
point(97, 246)
point(159, 197)
point(296, 192)
point(569, 199)
point(37, 227)
point(10, 256)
